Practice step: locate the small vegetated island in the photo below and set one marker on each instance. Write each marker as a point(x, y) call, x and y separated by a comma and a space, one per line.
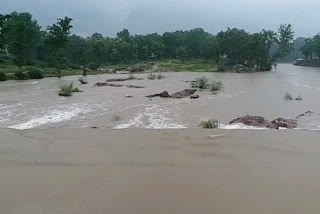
point(31, 51)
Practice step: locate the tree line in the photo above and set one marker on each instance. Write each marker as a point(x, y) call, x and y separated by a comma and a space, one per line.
point(311, 48)
point(27, 43)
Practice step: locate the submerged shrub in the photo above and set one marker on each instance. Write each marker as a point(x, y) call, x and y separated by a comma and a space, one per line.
point(288, 96)
point(215, 86)
point(202, 83)
point(116, 118)
point(209, 124)
point(82, 81)
point(35, 74)
point(131, 76)
point(20, 75)
point(160, 76)
point(3, 76)
point(67, 90)
point(151, 76)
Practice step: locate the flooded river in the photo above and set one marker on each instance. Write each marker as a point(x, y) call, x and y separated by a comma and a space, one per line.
point(36, 104)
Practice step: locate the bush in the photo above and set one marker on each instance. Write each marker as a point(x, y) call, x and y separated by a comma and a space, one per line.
point(82, 80)
point(67, 90)
point(151, 76)
point(288, 97)
point(116, 118)
point(160, 76)
point(209, 124)
point(74, 66)
point(20, 75)
point(3, 76)
point(93, 66)
point(202, 83)
point(35, 74)
point(215, 86)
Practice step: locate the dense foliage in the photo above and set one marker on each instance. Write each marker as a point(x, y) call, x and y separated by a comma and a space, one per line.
point(23, 40)
point(311, 48)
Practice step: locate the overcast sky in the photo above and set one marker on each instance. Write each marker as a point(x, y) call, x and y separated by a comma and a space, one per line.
point(147, 16)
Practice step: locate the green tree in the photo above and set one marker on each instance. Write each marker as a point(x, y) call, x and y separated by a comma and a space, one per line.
point(57, 39)
point(22, 35)
point(3, 20)
point(316, 45)
point(307, 49)
point(181, 53)
point(124, 35)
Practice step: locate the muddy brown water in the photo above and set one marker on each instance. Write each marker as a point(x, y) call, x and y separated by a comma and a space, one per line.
point(35, 103)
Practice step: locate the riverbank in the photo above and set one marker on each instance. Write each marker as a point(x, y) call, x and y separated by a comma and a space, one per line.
point(312, 63)
point(160, 171)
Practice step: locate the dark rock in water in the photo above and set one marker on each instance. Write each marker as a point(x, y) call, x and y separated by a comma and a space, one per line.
point(195, 96)
point(94, 127)
point(184, 93)
point(177, 95)
point(123, 79)
point(102, 84)
point(251, 121)
point(258, 121)
point(163, 94)
point(307, 113)
point(128, 96)
point(299, 98)
point(115, 85)
point(134, 86)
point(283, 123)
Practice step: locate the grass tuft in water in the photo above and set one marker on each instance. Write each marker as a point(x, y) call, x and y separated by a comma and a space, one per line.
point(215, 86)
point(209, 124)
point(82, 81)
point(67, 90)
point(201, 82)
point(288, 96)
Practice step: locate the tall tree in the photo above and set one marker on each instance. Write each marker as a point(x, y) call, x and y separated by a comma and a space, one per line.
point(58, 38)
point(307, 49)
point(22, 35)
point(182, 53)
point(3, 20)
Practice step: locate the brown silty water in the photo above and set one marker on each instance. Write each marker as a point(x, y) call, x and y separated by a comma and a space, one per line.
point(36, 104)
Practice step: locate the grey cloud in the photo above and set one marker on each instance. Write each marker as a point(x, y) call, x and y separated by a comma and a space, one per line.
point(146, 16)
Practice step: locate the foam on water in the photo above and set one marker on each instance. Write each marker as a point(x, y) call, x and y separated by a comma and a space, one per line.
point(51, 117)
point(152, 117)
point(240, 126)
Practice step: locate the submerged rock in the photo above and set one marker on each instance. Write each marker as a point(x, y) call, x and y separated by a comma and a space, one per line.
point(177, 95)
point(258, 121)
point(123, 79)
point(195, 96)
point(163, 94)
point(307, 113)
point(251, 121)
point(115, 85)
point(184, 93)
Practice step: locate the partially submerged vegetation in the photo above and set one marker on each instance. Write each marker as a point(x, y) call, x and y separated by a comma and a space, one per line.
point(200, 82)
point(209, 124)
point(203, 83)
point(82, 81)
point(3, 76)
point(215, 86)
point(66, 90)
point(151, 76)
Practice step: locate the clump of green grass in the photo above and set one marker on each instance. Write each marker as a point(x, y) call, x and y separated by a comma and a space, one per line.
point(202, 83)
point(116, 118)
point(20, 75)
point(82, 81)
point(35, 74)
point(209, 124)
point(215, 86)
point(3, 76)
point(151, 76)
point(288, 96)
point(160, 76)
point(67, 90)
